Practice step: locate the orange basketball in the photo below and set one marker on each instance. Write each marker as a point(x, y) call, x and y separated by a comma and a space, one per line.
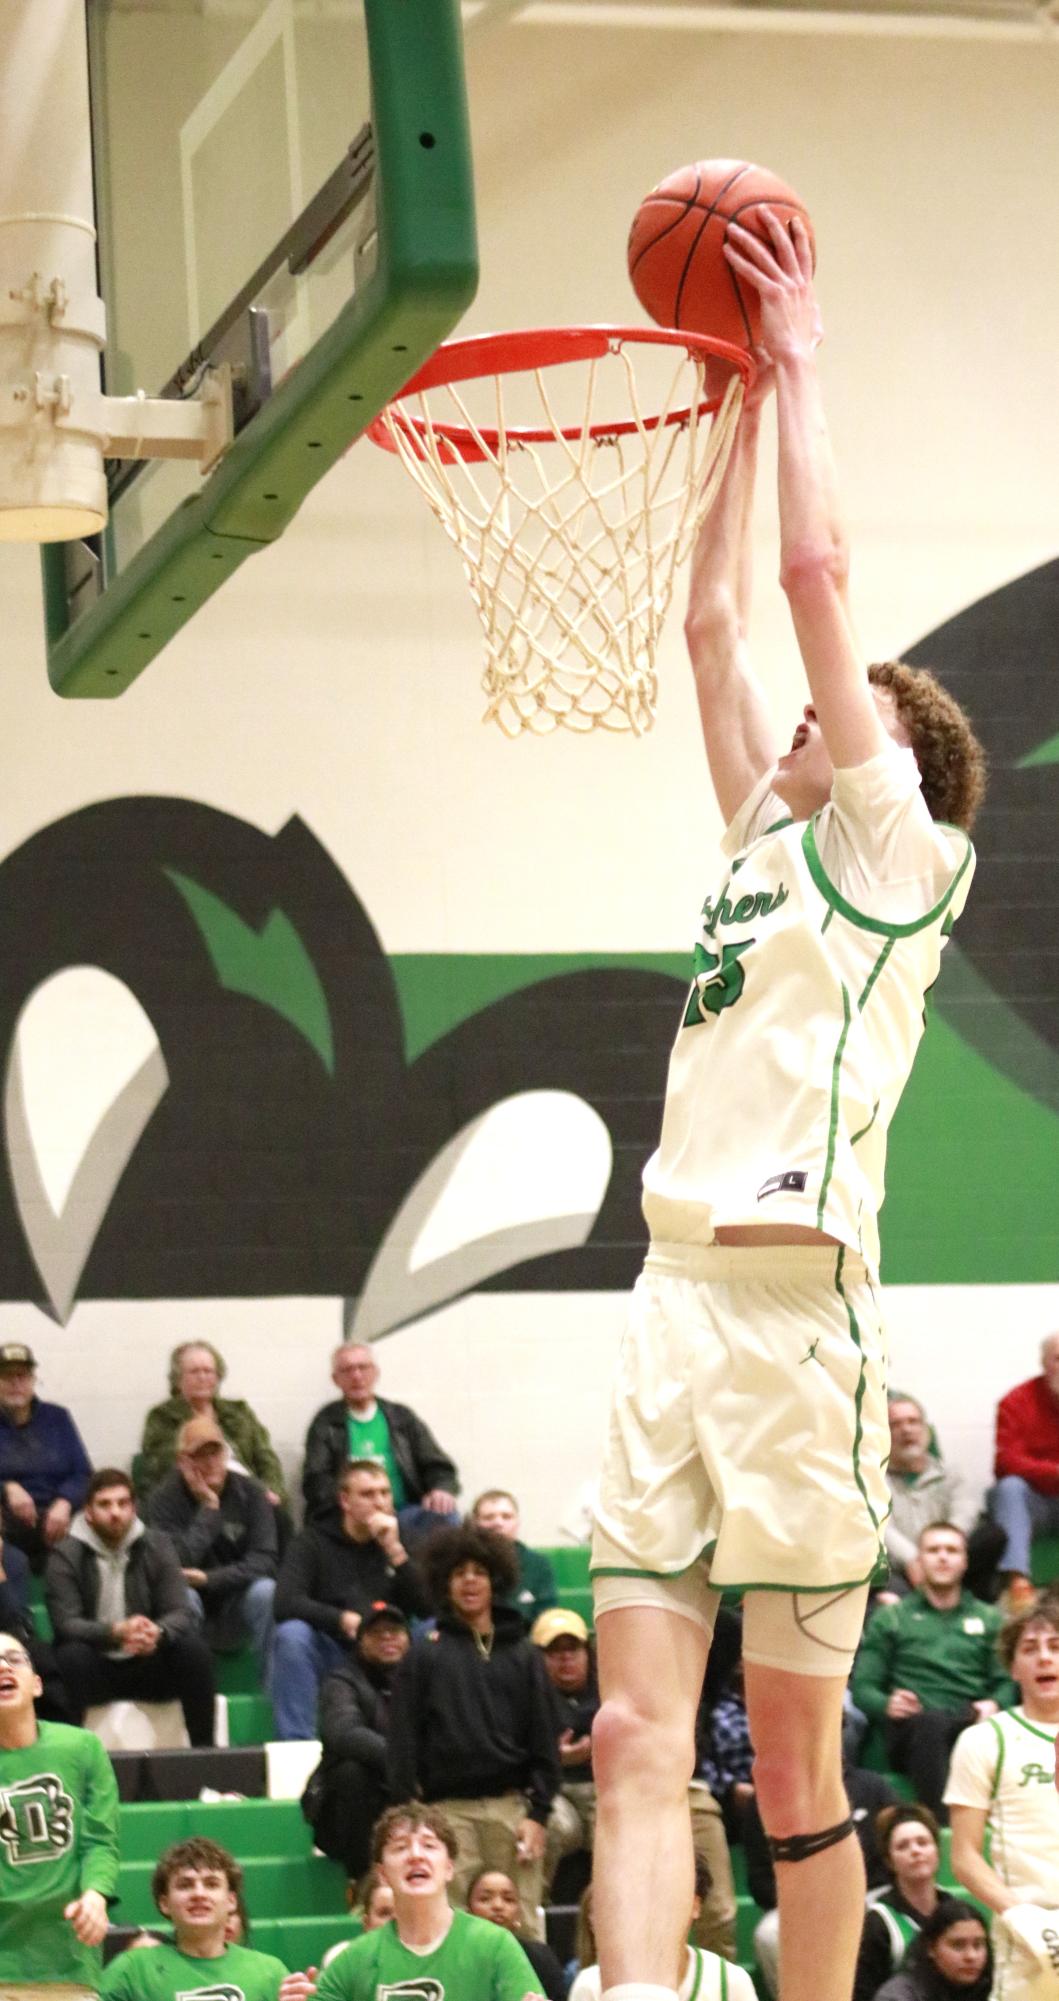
point(676, 246)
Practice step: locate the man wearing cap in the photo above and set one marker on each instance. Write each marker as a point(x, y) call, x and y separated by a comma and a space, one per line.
point(224, 1532)
point(564, 1641)
point(331, 1576)
point(347, 1791)
point(44, 1468)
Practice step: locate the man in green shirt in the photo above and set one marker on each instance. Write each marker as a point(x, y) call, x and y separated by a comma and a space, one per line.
point(928, 1666)
point(196, 1886)
point(428, 1952)
point(58, 1842)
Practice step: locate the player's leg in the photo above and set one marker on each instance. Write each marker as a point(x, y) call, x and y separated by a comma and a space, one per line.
point(795, 1715)
point(651, 1665)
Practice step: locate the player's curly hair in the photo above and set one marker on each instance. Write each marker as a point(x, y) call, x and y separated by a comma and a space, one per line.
point(444, 1552)
point(952, 762)
point(197, 1853)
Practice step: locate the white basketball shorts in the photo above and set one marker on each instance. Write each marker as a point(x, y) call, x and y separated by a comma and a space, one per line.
point(748, 1430)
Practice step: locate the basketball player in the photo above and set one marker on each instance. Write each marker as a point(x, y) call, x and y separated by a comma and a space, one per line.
point(1002, 1780)
point(748, 1429)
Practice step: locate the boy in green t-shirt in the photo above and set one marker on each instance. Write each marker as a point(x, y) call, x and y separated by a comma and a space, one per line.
point(428, 1952)
point(196, 1886)
point(58, 1842)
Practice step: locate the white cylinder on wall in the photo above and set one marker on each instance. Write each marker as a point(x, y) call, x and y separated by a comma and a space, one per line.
point(51, 326)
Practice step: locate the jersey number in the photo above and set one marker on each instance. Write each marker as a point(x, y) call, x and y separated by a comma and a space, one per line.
point(719, 981)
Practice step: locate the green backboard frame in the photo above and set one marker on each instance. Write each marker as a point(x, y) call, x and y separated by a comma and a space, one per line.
point(425, 277)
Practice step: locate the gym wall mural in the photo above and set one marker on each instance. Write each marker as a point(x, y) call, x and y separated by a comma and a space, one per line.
point(216, 1083)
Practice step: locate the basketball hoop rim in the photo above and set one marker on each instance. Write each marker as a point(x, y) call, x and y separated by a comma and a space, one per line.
point(533, 348)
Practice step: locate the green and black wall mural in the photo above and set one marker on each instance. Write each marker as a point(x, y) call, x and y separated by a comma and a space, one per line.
point(283, 1107)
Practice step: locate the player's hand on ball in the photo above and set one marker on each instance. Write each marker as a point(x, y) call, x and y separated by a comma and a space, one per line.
point(781, 272)
point(88, 1916)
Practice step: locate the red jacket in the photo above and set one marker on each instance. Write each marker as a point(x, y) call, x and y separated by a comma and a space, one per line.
point(1027, 1435)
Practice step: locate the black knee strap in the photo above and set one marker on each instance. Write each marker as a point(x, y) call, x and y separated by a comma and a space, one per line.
point(799, 1847)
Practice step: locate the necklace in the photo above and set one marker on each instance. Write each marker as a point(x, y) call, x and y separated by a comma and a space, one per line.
point(484, 1642)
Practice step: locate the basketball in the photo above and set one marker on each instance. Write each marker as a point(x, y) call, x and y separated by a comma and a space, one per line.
point(676, 246)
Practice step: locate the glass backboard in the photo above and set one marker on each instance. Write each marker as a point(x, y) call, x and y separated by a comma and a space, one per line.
point(283, 186)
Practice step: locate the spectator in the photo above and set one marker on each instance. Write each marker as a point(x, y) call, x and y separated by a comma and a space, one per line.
point(236, 1931)
point(44, 1468)
point(868, 1794)
point(949, 1960)
point(701, 1975)
point(360, 1425)
point(928, 1665)
point(121, 1612)
point(196, 1371)
point(492, 1895)
point(196, 1885)
point(908, 1838)
point(429, 1949)
point(347, 1791)
point(534, 1590)
point(373, 1900)
point(472, 1723)
point(570, 1661)
point(331, 1576)
point(16, 1618)
point(59, 1846)
point(725, 1755)
point(224, 1533)
point(1002, 1786)
point(1025, 1500)
point(924, 1490)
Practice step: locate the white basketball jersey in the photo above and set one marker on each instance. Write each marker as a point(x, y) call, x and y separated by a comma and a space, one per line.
point(814, 957)
point(706, 1978)
point(1007, 1766)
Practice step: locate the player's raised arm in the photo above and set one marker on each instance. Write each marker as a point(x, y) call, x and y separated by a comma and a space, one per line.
point(814, 553)
point(736, 724)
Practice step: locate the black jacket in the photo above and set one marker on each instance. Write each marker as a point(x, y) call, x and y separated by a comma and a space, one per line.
point(355, 1713)
point(325, 1573)
point(463, 1727)
point(233, 1544)
point(154, 1588)
point(423, 1464)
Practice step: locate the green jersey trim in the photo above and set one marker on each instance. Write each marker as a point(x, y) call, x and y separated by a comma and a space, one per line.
point(832, 1130)
point(1019, 1716)
point(859, 917)
point(999, 1735)
point(858, 1398)
point(865, 993)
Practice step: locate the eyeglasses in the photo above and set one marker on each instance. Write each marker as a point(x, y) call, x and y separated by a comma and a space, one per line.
point(16, 1657)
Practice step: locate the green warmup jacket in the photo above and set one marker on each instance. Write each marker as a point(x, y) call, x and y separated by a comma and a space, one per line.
point(948, 1659)
point(245, 1434)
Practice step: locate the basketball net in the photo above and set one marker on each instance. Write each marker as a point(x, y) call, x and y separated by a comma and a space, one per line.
point(570, 535)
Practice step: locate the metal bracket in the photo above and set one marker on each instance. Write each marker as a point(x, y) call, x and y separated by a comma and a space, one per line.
point(36, 301)
point(133, 427)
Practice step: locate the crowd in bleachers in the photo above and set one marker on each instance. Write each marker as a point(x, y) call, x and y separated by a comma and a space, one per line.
point(423, 1655)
